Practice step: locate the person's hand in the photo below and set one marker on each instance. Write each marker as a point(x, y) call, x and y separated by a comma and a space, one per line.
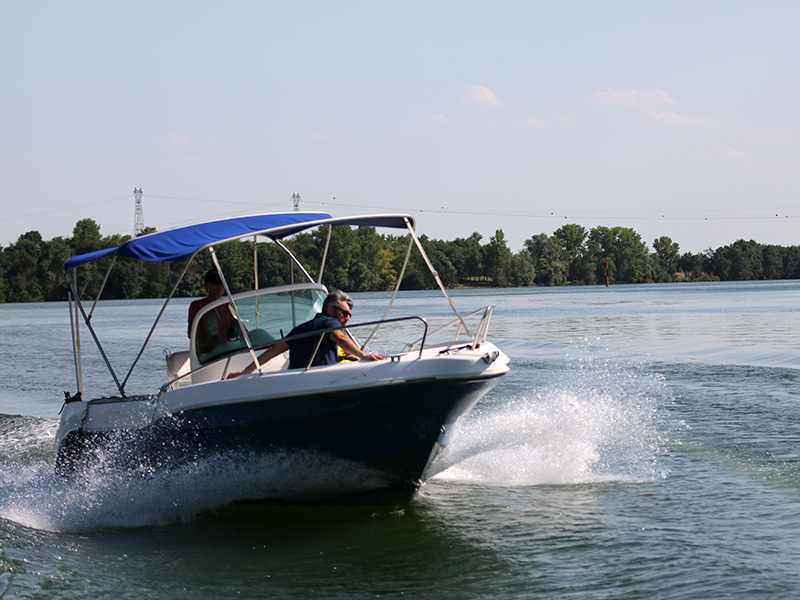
point(235, 374)
point(374, 357)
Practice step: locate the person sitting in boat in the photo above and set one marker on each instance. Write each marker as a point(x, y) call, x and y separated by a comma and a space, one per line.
point(215, 327)
point(336, 311)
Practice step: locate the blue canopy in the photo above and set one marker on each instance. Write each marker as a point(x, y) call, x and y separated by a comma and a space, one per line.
point(183, 242)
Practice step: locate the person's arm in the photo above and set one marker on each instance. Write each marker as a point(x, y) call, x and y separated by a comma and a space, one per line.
point(346, 343)
point(265, 357)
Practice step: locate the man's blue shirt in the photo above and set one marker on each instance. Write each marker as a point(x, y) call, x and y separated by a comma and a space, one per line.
point(301, 350)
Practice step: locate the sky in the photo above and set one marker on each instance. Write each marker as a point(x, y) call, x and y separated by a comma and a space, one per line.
point(674, 118)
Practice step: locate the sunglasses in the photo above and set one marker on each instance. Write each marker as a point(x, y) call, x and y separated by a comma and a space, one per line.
point(346, 313)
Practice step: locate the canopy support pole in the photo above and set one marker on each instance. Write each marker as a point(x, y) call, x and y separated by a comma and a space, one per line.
point(255, 276)
point(158, 318)
point(94, 335)
point(255, 262)
point(76, 340)
point(294, 260)
point(234, 310)
point(325, 253)
point(394, 295)
point(102, 285)
point(435, 274)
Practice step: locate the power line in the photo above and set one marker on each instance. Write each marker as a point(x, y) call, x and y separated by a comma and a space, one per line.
point(699, 214)
point(718, 213)
point(62, 209)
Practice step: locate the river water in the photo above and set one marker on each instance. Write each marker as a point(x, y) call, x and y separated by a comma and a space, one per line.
point(644, 445)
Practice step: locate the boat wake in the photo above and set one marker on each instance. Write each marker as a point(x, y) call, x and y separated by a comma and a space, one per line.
point(599, 421)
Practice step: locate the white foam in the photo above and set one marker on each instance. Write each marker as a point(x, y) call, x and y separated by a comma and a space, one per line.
point(600, 421)
point(35, 497)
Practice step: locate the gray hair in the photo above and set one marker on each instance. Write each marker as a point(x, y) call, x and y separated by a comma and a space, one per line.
point(335, 298)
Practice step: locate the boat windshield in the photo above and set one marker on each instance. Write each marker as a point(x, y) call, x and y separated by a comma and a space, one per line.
point(268, 315)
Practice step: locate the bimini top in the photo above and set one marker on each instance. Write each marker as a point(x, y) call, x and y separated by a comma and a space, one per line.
point(184, 242)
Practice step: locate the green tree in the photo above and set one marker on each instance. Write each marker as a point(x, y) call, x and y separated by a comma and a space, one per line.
point(772, 262)
point(51, 269)
point(791, 262)
point(572, 238)
point(364, 268)
point(4, 275)
point(496, 257)
point(384, 269)
point(666, 258)
point(236, 260)
point(308, 248)
point(694, 266)
point(22, 261)
point(625, 252)
point(417, 275)
point(520, 270)
point(466, 256)
point(273, 265)
point(546, 252)
point(126, 278)
point(86, 238)
point(740, 261)
point(360, 259)
point(32, 269)
point(340, 256)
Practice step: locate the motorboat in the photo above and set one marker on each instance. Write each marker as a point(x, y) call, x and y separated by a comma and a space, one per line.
point(387, 419)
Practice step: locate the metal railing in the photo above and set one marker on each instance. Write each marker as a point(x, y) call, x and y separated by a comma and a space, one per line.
point(480, 333)
point(320, 333)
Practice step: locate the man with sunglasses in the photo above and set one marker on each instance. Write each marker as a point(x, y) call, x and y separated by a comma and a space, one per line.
point(336, 312)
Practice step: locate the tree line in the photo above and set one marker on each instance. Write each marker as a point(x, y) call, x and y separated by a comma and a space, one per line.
point(360, 259)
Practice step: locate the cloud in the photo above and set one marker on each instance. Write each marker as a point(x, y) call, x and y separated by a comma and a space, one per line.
point(566, 119)
point(649, 105)
point(638, 99)
point(725, 153)
point(480, 96)
point(772, 135)
point(678, 120)
point(644, 149)
point(182, 140)
point(735, 156)
point(440, 119)
point(699, 157)
point(318, 137)
point(764, 135)
point(531, 122)
point(179, 140)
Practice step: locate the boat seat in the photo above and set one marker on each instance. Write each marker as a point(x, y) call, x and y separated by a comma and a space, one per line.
point(259, 337)
point(177, 366)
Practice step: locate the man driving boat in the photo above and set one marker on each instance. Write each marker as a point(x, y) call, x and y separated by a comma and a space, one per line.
point(336, 311)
